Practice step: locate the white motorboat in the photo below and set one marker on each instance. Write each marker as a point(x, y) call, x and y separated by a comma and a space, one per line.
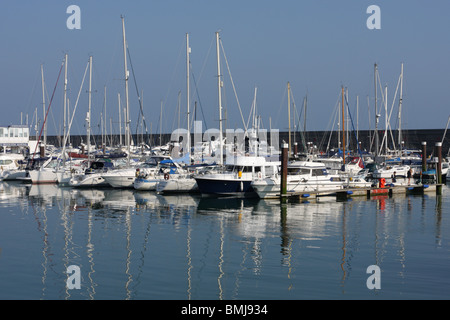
point(302, 176)
point(93, 176)
point(182, 183)
point(150, 175)
point(121, 178)
point(10, 167)
point(237, 176)
point(46, 173)
point(389, 170)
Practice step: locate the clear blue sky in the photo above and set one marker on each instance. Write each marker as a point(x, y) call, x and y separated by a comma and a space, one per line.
point(318, 46)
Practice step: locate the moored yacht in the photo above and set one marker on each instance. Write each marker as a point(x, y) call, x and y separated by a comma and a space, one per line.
point(92, 177)
point(11, 167)
point(236, 177)
point(302, 176)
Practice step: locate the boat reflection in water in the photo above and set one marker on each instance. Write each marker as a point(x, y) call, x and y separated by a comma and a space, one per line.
point(132, 244)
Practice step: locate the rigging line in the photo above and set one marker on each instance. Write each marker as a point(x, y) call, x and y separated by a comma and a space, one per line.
point(354, 131)
point(206, 58)
point(332, 123)
point(48, 109)
point(232, 83)
point(281, 104)
point(76, 104)
point(139, 97)
point(252, 107)
point(34, 87)
point(199, 101)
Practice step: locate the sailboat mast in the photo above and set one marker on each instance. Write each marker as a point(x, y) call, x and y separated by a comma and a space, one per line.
point(343, 127)
point(289, 114)
point(127, 116)
point(65, 99)
point(43, 104)
point(400, 109)
point(357, 119)
point(385, 120)
point(104, 122)
point(188, 51)
point(88, 118)
point(120, 121)
point(376, 112)
point(219, 84)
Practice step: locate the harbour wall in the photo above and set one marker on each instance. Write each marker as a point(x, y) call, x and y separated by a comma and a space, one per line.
point(321, 139)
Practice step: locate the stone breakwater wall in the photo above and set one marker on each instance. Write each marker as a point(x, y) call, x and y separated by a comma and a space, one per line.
point(412, 139)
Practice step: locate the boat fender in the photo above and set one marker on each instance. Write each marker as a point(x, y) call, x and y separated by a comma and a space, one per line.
point(305, 195)
point(349, 192)
point(166, 176)
point(425, 186)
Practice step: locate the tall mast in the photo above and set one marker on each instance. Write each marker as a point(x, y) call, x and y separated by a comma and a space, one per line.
point(289, 114)
point(120, 121)
point(385, 120)
point(376, 111)
point(357, 119)
point(219, 84)
point(400, 109)
point(88, 118)
point(343, 126)
point(104, 121)
point(188, 51)
point(127, 116)
point(65, 98)
point(43, 104)
point(304, 121)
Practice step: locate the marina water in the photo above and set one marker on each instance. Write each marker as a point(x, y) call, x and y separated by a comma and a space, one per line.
point(141, 245)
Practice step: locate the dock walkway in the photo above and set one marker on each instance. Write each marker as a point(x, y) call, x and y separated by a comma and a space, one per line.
point(367, 192)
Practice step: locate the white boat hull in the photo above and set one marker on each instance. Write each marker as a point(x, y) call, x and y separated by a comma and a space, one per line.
point(400, 171)
point(14, 174)
point(43, 176)
point(146, 184)
point(88, 180)
point(177, 185)
point(120, 181)
point(271, 187)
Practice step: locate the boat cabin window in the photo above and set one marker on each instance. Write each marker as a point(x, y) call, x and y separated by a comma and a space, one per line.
point(5, 162)
point(270, 170)
point(296, 171)
point(246, 169)
point(318, 172)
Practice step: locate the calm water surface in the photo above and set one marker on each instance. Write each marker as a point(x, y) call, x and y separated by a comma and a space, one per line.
point(139, 245)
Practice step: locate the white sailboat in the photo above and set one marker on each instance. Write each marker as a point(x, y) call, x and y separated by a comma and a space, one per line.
point(46, 173)
point(123, 177)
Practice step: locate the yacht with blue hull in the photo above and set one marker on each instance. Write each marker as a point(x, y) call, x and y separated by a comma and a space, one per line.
point(235, 178)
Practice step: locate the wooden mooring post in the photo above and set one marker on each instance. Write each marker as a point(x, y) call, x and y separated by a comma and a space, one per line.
point(438, 151)
point(284, 163)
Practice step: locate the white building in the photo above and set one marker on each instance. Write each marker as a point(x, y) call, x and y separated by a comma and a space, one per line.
point(15, 137)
